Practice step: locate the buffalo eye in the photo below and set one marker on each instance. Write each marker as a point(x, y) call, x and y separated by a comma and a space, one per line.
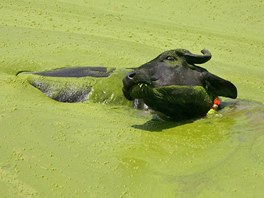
point(171, 58)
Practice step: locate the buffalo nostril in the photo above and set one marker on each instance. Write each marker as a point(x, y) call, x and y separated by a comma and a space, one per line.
point(131, 75)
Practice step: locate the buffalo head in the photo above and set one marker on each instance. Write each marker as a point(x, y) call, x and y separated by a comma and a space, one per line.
point(173, 85)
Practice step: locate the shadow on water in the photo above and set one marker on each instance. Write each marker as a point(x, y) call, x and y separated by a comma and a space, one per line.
point(157, 125)
point(250, 111)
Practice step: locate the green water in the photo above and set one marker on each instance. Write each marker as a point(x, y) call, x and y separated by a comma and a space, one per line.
point(52, 149)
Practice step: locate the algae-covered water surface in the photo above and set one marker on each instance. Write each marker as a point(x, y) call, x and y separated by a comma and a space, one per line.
point(54, 149)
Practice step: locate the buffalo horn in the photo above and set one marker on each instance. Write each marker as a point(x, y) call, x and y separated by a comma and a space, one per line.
point(198, 59)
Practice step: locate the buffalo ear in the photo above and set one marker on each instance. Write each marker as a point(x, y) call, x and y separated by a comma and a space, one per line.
point(219, 87)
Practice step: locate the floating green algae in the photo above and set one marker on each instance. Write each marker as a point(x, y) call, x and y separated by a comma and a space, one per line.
point(53, 149)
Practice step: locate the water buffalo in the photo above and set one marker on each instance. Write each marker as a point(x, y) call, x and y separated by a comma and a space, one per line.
point(170, 84)
point(173, 85)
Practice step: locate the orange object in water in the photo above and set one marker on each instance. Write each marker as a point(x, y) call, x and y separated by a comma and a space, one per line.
point(216, 104)
point(217, 101)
